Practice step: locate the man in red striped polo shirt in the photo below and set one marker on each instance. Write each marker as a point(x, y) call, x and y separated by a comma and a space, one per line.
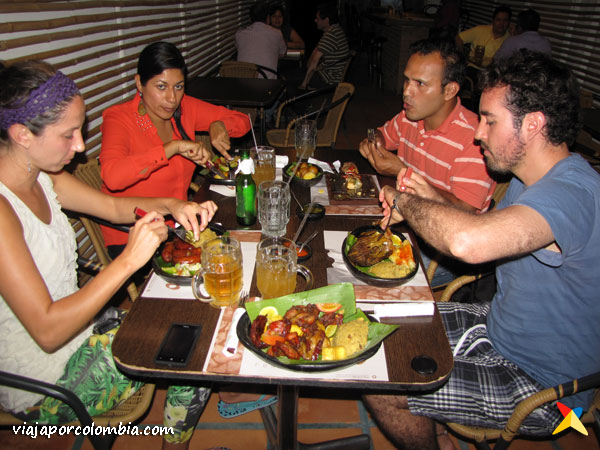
point(434, 134)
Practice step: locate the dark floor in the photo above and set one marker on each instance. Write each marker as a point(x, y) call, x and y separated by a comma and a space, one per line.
point(321, 416)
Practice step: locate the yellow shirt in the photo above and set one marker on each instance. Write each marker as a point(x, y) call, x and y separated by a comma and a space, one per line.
point(482, 35)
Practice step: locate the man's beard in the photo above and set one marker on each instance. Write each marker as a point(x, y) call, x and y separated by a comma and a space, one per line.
point(509, 162)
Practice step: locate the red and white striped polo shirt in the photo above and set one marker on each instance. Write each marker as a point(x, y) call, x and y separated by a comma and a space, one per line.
point(446, 157)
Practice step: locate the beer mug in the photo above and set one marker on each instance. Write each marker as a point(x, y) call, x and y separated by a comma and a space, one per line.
point(221, 272)
point(273, 207)
point(277, 268)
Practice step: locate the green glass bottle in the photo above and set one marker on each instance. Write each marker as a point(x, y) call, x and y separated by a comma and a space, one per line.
point(245, 192)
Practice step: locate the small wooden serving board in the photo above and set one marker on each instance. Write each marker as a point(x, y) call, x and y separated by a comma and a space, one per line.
point(339, 195)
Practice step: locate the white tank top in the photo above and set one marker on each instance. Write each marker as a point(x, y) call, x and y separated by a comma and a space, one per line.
point(53, 248)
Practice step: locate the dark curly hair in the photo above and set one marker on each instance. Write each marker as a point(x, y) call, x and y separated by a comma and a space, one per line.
point(454, 60)
point(537, 83)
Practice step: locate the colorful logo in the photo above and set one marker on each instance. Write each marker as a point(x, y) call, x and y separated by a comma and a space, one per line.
point(571, 419)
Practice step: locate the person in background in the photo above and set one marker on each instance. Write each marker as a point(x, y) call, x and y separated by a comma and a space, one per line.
point(434, 136)
point(260, 43)
point(148, 146)
point(547, 290)
point(276, 19)
point(490, 37)
point(45, 330)
point(328, 60)
point(526, 36)
point(446, 20)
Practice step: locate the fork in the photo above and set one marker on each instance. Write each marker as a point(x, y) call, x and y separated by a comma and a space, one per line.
point(243, 299)
point(179, 232)
point(371, 136)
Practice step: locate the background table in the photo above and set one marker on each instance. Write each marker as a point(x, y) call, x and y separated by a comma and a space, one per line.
point(242, 92)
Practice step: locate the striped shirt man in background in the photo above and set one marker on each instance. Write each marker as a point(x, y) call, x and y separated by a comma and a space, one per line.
point(328, 60)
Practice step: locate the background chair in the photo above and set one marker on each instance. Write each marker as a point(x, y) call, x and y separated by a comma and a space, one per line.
point(129, 411)
point(327, 133)
point(240, 69)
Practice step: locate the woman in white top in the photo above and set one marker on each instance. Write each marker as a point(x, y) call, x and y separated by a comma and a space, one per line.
point(44, 318)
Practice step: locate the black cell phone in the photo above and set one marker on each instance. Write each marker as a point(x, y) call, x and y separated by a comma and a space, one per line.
point(178, 344)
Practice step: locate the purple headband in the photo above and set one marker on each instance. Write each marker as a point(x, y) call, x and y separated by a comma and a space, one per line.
point(58, 88)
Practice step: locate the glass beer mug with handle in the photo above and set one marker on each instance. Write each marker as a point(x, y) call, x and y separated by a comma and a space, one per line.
point(277, 268)
point(220, 272)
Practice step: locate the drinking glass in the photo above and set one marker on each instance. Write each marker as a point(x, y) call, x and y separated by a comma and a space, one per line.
point(306, 138)
point(277, 268)
point(221, 272)
point(478, 55)
point(264, 163)
point(273, 207)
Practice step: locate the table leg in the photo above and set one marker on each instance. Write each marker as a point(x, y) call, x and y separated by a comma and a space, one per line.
point(282, 431)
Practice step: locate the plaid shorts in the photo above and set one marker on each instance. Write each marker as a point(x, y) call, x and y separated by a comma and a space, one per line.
point(484, 387)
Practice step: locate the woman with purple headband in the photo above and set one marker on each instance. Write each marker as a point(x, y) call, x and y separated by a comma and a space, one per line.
point(45, 330)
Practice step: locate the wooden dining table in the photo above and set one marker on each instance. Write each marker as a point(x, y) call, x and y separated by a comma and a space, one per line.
point(417, 340)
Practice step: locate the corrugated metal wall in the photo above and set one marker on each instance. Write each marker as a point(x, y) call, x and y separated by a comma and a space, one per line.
point(573, 28)
point(97, 43)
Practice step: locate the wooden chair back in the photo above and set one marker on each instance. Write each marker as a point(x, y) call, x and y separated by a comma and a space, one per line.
point(89, 237)
point(327, 134)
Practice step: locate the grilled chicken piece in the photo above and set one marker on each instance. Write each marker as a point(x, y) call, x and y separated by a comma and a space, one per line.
point(371, 247)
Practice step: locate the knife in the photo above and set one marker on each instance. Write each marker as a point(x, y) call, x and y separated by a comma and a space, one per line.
point(210, 166)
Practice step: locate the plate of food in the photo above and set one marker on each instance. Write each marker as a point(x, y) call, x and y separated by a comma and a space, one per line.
point(223, 171)
point(176, 261)
point(349, 187)
point(308, 174)
point(379, 258)
point(311, 331)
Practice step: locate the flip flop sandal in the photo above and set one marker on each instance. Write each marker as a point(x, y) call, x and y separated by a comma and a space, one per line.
point(229, 410)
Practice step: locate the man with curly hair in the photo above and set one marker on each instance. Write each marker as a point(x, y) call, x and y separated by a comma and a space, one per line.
point(536, 333)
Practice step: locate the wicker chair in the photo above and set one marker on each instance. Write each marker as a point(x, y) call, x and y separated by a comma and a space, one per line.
point(239, 69)
point(327, 134)
point(128, 411)
point(89, 173)
point(505, 436)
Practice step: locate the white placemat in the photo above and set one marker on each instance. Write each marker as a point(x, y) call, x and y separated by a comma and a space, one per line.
point(157, 287)
point(228, 191)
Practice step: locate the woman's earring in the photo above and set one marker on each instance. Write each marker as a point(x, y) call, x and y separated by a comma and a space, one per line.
point(28, 166)
point(141, 107)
